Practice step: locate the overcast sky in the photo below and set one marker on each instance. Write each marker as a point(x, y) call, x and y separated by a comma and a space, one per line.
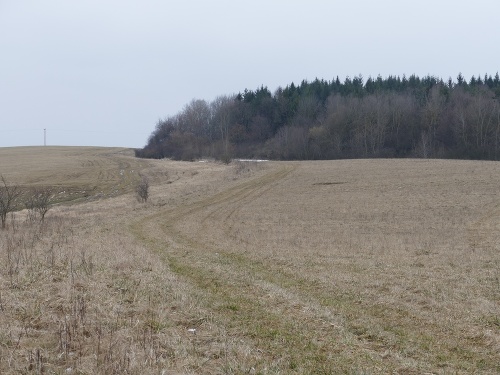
point(102, 72)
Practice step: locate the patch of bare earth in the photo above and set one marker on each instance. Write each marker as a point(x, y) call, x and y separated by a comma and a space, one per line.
point(379, 266)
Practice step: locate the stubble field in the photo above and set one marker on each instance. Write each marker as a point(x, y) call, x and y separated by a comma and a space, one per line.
point(358, 266)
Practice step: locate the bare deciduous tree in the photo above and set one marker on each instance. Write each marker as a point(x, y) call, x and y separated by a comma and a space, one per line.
point(142, 190)
point(9, 195)
point(222, 109)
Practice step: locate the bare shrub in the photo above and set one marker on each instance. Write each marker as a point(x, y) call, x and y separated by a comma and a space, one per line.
point(226, 158)
point(38, 203)
point(142, 190)
point(9, 195)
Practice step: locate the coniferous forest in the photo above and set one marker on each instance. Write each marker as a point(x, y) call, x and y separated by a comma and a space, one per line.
point(377, 118)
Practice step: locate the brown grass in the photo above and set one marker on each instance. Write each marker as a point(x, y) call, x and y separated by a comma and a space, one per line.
point(74, 173)
point(362, 266)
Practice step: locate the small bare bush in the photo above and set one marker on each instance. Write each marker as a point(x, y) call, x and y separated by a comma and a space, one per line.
point(142, 190)
point(38, 203)
point(226, 158)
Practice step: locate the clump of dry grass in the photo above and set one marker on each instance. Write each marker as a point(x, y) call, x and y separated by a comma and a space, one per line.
point(71, 300)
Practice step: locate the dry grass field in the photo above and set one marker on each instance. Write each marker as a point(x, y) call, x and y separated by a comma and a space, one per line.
point(358, 267)
point(75, 173)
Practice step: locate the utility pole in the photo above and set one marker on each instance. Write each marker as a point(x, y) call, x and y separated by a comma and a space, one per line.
point(45, 137)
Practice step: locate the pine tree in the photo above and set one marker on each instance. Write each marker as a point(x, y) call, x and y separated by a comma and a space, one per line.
point(370, 85)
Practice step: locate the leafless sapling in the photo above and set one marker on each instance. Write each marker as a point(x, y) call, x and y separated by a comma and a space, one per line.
point(38, 203)
point(9, 195)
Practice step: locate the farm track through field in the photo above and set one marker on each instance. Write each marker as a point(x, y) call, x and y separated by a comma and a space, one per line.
point(257, 300)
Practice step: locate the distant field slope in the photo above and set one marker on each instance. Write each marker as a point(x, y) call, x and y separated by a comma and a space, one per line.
point(74, 172)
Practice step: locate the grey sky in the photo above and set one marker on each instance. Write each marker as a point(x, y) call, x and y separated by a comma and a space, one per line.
point(103, 72)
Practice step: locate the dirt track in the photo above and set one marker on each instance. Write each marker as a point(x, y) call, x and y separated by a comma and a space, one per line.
point(255, 299)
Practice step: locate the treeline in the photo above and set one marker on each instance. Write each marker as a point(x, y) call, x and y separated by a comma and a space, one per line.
point(392, 117)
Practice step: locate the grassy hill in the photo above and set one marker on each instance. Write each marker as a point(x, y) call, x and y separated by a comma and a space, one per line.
point(74, 172)
point(355, 266)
